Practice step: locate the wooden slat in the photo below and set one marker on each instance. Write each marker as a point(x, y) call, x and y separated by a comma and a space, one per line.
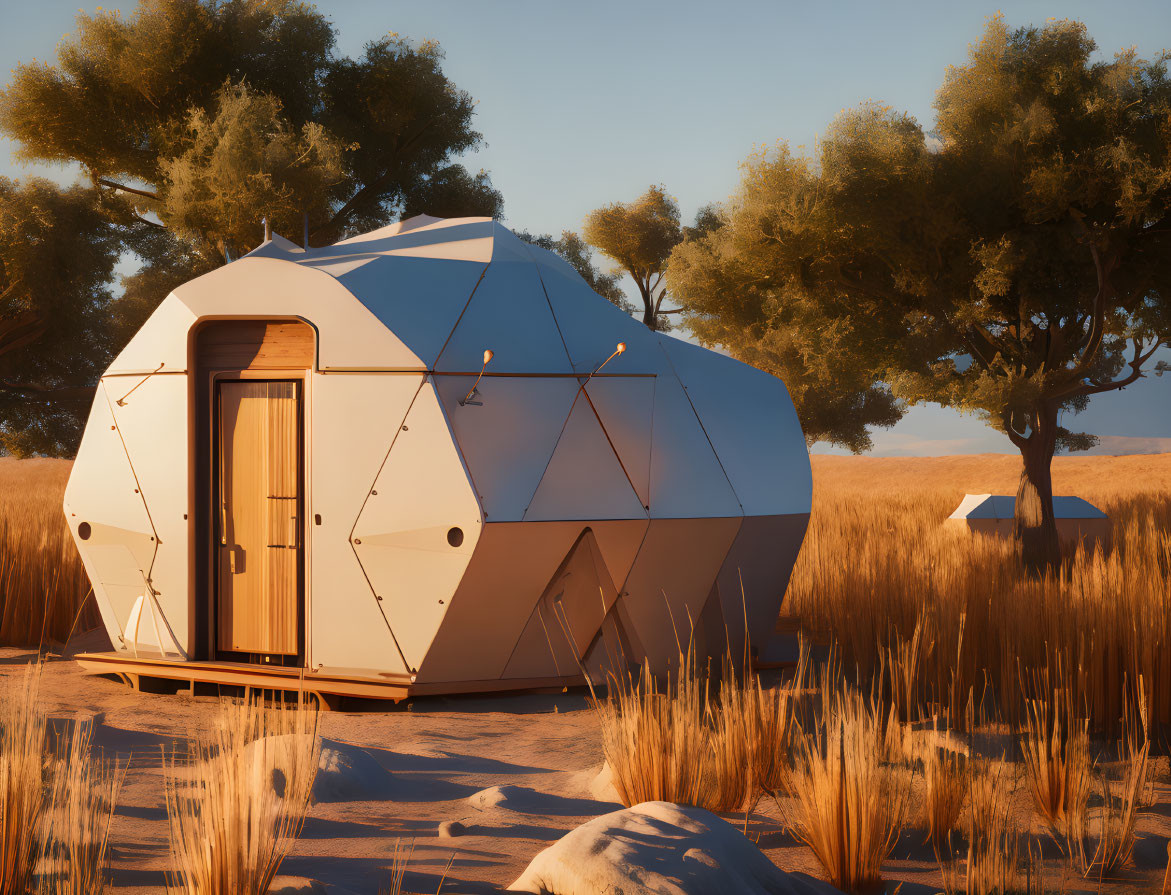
point(255, 345)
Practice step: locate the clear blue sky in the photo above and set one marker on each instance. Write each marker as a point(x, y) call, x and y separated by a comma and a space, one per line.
point(585, 103)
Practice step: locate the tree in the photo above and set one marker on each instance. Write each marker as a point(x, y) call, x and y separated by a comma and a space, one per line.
point(58, 249)
point(573, 249)
point(639, 236)
point(1016, 267)
point(212, 114)
point(725, 277)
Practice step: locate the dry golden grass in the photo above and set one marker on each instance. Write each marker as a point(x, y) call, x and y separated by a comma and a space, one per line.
point(83, 793)
point(22, 791)
point(690, 739)
point(400, 860)
point(878, 559)
point(993, 859)
point(42, 582)
point(945, 777)
point(1056, 751)
point(56, 800)
point(1120, 805)
point(849, 804)
point(230, 827)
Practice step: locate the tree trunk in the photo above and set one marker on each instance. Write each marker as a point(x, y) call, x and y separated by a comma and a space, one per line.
point(1034, 525)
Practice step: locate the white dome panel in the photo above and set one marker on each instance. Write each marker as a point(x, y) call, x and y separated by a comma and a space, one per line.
point(507, 439)
point(752, 425)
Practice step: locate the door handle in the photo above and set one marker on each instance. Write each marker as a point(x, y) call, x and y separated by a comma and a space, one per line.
point(236, 559)
point(296, 533)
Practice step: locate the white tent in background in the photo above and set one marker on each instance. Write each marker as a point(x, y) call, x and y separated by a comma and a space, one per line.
point(303, 465)
point(1077, 519)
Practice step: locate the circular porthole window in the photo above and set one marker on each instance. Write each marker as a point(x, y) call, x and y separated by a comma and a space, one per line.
point(455, 536)
point(83, 531)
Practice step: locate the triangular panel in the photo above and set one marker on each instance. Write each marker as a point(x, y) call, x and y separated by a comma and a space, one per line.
point(670, 581)
point(418, 299)
point(626, 408)
point(510, 315)
point(584, 479)
point(508, 436)
point(567, 617)
point(686, 478)
point(618, 543)
point(592, 326)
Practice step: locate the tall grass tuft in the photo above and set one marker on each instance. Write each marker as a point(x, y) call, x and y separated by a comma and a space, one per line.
point(850, 807)
point(1056, 749)
point(945, 777)
point(84, 791)
point(43, 585)
point(1120, 812)
point(22, 773)
point(237, 808)
point(690, 739)
point(993, 859)
point(655, 736)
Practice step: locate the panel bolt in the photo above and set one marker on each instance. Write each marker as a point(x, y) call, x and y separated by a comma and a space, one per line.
point(357, 541)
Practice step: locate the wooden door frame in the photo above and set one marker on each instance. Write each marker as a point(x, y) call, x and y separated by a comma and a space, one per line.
point(215, 378)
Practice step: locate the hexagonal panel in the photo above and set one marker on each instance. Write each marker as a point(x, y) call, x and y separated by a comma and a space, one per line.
point(419, 527)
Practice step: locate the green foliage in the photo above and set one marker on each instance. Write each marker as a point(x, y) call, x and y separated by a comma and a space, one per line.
point(57, 330)
point(573, 249)
point(639, 236)
point(243, 163)
point(1015, 266)
point(215, 113)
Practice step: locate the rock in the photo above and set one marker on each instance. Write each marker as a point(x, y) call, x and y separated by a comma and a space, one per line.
point(296, 885)
point(528, 801)
point(345, 773)
point(299, 885)
point(348, 773)
point(496, 796)
point(450, 829)
point(663, 848)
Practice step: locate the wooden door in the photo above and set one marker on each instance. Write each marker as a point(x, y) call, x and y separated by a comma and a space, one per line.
point(260, 517)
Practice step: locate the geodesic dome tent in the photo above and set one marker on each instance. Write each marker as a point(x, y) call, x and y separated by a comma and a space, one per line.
point(296, 467)
point(1077, 520)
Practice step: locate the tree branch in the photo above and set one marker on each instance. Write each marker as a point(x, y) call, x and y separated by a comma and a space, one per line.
point(128, 189)
point(1096, 387)
point(1103, 269)
point(1015, 437)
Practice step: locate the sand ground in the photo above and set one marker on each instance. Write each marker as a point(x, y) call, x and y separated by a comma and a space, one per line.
point(441, 751)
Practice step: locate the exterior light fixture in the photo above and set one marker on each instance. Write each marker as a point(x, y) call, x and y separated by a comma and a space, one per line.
point(467, 399)
point(621, 348)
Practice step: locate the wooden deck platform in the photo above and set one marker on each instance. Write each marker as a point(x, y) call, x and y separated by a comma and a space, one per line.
point(322, 683)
